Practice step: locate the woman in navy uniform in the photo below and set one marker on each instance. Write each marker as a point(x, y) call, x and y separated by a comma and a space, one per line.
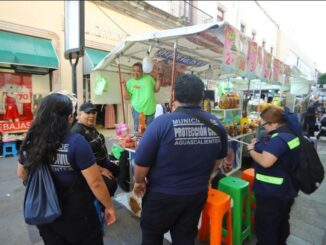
point(275, 156)
point(74, 170)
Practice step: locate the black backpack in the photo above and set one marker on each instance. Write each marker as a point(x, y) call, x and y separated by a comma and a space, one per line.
point(310, 172)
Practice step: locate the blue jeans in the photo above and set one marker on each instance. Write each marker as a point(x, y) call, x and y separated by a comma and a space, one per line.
point(135, 116)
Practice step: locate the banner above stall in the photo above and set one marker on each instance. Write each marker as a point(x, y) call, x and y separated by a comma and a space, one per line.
point(219, 48)
point(235, 52)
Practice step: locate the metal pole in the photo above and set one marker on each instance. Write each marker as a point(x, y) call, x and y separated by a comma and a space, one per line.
point(122, 100)
point(74, 73)
point(173, 75)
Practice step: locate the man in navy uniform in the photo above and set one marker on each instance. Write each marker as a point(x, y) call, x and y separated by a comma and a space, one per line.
point(174, 161)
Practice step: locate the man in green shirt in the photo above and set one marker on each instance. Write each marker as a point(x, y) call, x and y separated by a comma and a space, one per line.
point(141, 89)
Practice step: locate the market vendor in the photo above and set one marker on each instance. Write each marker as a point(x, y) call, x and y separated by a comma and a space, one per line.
point(141, 89)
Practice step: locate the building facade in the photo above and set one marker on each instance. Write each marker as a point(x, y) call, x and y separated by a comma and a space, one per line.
point(32, 59)
point(31, 72)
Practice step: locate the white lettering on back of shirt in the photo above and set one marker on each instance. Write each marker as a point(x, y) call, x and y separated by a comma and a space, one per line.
point(191, 131)
point(61, 163)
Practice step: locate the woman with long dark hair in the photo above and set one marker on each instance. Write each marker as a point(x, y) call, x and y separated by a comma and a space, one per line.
point(74, 170)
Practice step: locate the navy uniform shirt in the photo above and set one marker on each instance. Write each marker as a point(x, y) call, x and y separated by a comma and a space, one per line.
point(181, 152)
point(279, 185)
point(73, 156)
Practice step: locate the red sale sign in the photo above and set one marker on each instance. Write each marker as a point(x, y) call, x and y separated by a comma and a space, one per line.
point(7, 127)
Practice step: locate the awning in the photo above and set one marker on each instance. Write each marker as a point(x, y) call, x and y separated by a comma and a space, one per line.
point(18, 49)
point(199, 48)
point(92, 58)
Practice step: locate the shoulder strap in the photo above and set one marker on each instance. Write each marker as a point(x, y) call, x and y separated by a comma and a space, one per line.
point(215, 128)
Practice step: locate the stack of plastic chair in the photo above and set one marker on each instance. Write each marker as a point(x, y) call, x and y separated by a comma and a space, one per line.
point(238, 190)
point(218, 205)
point(249, 175)
point(9, 148)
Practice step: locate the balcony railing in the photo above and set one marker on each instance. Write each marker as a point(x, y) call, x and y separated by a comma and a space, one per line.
point(185, 10)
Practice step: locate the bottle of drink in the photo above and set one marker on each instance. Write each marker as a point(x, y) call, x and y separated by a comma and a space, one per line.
point(245, 128)
point(237, 98)
point(142, 123)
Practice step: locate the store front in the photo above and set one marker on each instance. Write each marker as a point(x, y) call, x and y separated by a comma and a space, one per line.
point(26, 65)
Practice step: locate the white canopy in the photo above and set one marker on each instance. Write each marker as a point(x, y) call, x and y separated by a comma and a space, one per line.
point(198, 48)
point(201, 44)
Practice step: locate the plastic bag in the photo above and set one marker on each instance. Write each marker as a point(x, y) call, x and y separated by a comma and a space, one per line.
point(101, 86)
point(41, 204)
point(121, 129)
point(135, 204)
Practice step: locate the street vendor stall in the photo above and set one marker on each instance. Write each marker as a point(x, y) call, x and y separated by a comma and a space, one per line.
point(219, 49)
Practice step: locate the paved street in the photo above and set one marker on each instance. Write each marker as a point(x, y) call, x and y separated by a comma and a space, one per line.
point(308, 217)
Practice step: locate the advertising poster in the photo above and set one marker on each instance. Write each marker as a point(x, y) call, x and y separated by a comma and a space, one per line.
point(252, 59)
point(16, 101)
point(242, 55)
point(235, 51)
point(267, 66)
point(287, 73)
point(230, 50)
point(277, 75)
point(260, 64)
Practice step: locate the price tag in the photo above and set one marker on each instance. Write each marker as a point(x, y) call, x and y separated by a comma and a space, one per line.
point(24, 97)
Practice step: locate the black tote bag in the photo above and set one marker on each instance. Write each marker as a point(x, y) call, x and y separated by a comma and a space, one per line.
point(41, 204)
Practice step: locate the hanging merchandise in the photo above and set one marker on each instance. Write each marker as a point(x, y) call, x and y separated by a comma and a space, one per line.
point(147, 64)
point(101, 85)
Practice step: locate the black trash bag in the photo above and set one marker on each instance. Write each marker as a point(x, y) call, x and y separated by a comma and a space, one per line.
point(124, 168)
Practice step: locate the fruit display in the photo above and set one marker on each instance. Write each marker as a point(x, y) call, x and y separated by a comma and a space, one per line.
point(127, 142)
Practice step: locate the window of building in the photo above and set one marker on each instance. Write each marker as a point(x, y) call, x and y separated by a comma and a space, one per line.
point(186, 10)
point(253, 33)
point(243, 27)
point(220, 14)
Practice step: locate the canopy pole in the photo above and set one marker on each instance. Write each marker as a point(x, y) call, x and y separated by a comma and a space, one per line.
point(122, 100)
point(173, 74)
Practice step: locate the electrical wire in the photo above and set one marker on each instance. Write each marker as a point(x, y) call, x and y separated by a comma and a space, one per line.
point(111, 19)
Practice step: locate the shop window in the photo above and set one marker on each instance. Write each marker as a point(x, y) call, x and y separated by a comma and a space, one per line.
point(16, 99)
point(220, 14)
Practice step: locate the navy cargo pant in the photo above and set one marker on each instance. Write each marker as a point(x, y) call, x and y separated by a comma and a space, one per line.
point(272, 216)
point(178, 214)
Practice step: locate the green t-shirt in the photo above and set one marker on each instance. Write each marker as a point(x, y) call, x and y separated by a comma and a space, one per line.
point(142, 92)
